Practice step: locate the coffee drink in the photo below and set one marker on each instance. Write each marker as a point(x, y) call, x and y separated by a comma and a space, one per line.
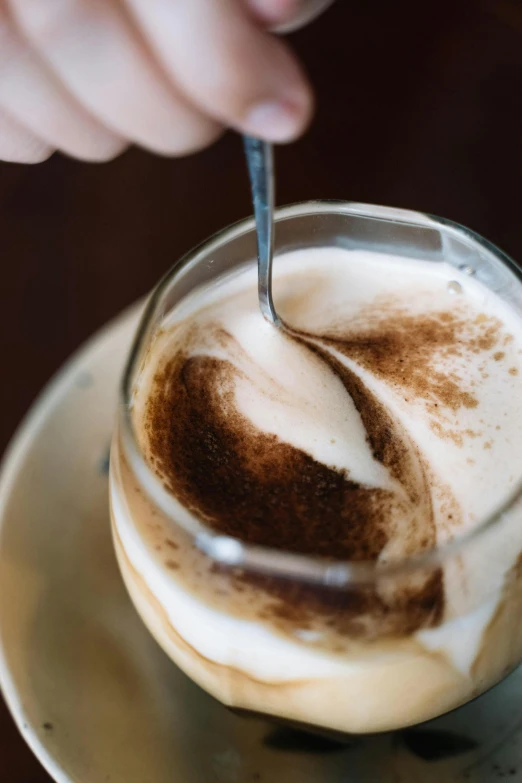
point(381, 425)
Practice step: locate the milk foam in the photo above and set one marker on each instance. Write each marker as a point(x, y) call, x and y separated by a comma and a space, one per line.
point(459, 418)
point(283, 389)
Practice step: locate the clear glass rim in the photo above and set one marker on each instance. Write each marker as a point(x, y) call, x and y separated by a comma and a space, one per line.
point(236, 553)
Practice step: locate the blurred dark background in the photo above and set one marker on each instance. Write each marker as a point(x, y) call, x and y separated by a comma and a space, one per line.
point(419, 106)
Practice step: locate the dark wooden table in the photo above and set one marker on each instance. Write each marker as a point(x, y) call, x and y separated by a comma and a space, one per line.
point(419, 106)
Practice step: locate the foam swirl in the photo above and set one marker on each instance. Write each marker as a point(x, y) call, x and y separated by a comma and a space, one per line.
point(250, 484)
point(327, 438)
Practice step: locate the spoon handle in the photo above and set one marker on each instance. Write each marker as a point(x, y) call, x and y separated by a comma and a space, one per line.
point(260, 160)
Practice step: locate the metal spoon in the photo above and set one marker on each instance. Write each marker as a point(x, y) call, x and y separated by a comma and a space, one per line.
point(260, 160)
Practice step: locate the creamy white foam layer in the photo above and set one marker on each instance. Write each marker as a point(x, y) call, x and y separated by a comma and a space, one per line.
point(472, 452)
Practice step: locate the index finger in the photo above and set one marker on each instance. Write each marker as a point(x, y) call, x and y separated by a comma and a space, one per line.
point(228, 65)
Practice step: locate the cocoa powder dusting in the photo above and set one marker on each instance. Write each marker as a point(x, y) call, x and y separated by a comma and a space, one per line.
point(248, 484)
point(365, 612)
point(402, 349)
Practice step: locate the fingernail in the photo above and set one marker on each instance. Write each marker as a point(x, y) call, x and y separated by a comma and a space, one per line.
point(274, 121)
point(275, 11)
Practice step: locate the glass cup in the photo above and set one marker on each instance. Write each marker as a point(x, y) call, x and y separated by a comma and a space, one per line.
point(350, 647)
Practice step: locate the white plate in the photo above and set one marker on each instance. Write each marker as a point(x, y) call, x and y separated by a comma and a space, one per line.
point(91, 692)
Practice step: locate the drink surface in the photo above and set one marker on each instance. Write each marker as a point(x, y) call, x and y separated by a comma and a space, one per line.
point(382, 422)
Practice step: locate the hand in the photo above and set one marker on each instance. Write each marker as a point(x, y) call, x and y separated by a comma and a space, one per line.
point(90, 77)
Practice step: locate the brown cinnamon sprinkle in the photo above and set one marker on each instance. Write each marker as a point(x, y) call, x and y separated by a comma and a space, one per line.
point(401, 348)
point(250, 485)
